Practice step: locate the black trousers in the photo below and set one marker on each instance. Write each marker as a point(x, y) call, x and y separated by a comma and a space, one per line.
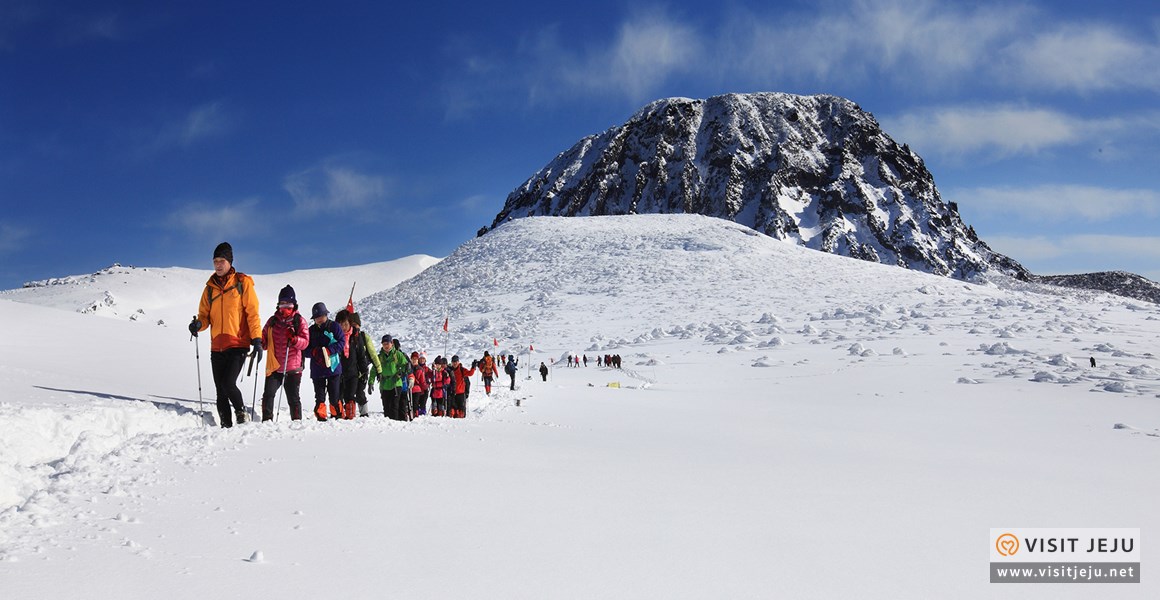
point(227, 365)
point(394, 404)
point(419, 402)
point(348, 388)
point(293, 394)
point(324, 386)
point(513, 376)
point(361, 396)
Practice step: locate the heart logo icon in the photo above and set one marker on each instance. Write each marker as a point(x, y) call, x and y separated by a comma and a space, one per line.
point(1007, 544)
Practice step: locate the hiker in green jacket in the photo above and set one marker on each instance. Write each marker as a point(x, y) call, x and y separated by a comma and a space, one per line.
point(393, 366)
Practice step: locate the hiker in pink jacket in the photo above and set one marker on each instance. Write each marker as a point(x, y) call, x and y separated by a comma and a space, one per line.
point(284, 337)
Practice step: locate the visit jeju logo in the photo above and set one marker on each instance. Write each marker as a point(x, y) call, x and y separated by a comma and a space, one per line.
point(1007, 544)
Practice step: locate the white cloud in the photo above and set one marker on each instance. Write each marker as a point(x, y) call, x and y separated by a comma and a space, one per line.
point(201, 123)
point(1084, 57)
point(1005, 130)
point(925, 46)
point(205, 121)
point(334, 189)
point(12, 237)
point(920, 43)
point(648, 50)
point(1081, 253)
point(218, 221)
point(1060, 202)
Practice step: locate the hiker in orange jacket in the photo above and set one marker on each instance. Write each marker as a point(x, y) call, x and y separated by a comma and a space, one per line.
point(229, 308)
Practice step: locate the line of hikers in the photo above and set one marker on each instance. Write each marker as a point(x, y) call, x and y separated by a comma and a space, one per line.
point(609, 360)
point(343, 359)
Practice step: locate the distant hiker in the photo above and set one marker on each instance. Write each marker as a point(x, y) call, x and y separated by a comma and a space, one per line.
point(420, 384)
point(284, 337)
point(585, 360)
point(392, 368)
point(510, 369)
point(460, 382)
point(1093, 359)
point(351, 358)
point(327, 341)
point(229, 307)
point(370, 356)
point(488, 370)
point(544, 371)
point(598, 363)
point(439, 382)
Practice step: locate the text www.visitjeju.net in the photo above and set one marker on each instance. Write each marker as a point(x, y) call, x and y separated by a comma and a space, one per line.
point(1065, 573)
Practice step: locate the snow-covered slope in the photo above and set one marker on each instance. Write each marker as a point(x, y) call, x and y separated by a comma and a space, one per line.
point(813, 170)
point(781, 411)
point(169, 296)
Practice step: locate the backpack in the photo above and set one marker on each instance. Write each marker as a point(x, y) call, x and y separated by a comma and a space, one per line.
point(510, 369)
point(358, 348)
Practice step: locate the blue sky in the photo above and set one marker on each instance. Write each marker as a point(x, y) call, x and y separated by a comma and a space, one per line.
point(328, 134)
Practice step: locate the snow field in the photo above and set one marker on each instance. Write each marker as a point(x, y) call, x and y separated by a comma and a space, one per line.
point(787, 423)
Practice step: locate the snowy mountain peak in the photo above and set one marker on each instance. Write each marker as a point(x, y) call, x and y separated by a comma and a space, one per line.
point(814, 170)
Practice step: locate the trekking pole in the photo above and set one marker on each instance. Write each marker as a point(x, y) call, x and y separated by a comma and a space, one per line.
point(282, 387)
point(200, 400)
point(407, 383)
point(254, 400)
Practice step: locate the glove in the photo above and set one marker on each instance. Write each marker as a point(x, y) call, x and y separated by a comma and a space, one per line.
point(194, 327)
point(256, 343)
point(474, 364)
point(371, 387)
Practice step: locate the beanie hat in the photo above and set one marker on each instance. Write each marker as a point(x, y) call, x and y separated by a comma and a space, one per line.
point(387, 339)
point(319, 310)
point(286, 296)
point(455, 358)
point(224, 250)
point(415, 355)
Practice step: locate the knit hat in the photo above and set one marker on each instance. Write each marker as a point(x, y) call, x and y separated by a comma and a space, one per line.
point(319, 310)
point(224, 250)
point(415, 355)
point(387, 339)
point(455, 358)
point(286, 296)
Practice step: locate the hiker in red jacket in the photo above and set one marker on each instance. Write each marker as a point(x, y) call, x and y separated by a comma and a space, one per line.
point(459, 375)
